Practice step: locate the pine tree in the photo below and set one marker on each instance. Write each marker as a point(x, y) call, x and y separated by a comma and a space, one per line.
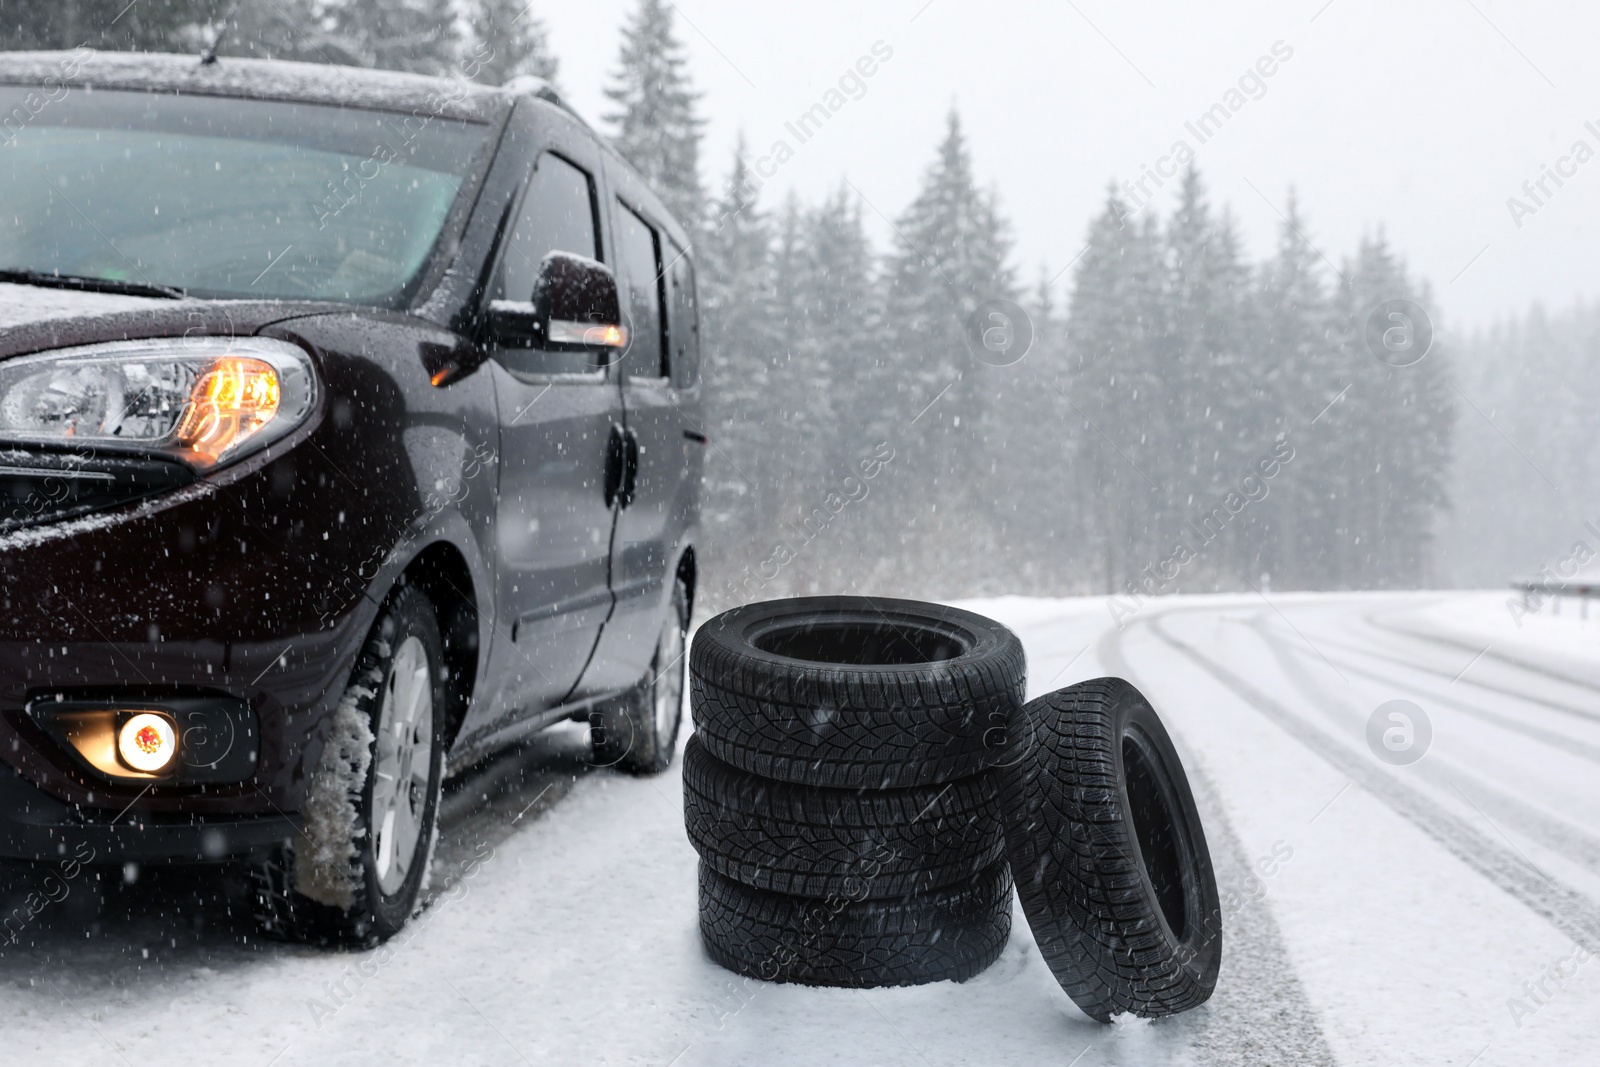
point(1116, 336)
point(740, 335)
point(1297, 381)
point(506, 40)
point(152, 25)
point(283, 29)
point(795, 408)
point(1034, 447)
point(1534, 381)
point(788, 270)
point(1206, 388)
point(839, 308)
point(411, 35)
point(1395, 432)
point(657, 128)
point(950, 257)
point(834, 303)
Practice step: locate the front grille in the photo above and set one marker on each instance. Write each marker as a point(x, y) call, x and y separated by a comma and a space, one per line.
point(39, 486)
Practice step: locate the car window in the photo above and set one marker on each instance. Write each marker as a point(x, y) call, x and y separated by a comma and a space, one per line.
point(557, 215)
point(683, 320)
point(639, 254)
point(227, 197)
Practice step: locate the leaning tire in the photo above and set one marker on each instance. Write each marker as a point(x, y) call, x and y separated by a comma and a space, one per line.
point(354, 873)
point(858, 844)
point(854, 693)
point(1111, 863)
point(949, 935)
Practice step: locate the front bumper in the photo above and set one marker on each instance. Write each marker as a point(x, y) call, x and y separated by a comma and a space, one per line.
point(258, 583)
point(36, 826)
point(232, 590)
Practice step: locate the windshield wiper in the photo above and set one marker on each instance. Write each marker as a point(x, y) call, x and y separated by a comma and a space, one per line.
point(86, 284)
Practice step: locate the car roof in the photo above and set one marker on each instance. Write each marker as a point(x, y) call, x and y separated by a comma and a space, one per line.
point(311, 83)
point(269, 79)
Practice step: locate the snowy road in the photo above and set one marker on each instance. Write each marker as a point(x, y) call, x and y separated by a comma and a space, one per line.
point(1376, 914)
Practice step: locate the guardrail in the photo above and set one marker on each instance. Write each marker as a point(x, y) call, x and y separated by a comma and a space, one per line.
point(1534, 594)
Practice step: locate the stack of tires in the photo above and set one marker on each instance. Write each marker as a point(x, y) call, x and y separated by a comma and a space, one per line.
point(840, 789)
point(865, 779)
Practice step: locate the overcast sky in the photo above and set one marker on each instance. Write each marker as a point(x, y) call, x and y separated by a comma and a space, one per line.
point(1419, 116)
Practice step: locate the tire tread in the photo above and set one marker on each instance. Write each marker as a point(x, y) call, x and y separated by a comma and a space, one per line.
point(951, 935)
point(1074, 856)
point(813, 841)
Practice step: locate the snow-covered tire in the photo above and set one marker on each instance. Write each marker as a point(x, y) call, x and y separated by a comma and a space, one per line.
point(946, 935)
point(814, 842)
point(638, 731)
point(1110, 859)
point(337, 882)
point(855, 693)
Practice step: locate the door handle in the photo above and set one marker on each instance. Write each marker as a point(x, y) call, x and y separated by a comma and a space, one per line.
point(622, 466)
point(630, 479)
point(616, 465)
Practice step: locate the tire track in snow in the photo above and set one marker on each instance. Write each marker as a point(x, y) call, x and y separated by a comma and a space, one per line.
point(1569, 911)
point(1260, 1012)
point(1569, 745)
point(1544, 702)
point(503, 795)
point(1540, 670)
point(1553, 833)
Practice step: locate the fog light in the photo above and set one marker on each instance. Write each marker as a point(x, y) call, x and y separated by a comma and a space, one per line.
point(147, 742)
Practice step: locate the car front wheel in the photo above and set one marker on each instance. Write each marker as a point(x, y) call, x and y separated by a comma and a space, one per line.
point(354, 873)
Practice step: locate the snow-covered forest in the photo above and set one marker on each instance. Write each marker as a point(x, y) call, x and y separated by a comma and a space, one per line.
point(1153, 412)
point(1535, 384)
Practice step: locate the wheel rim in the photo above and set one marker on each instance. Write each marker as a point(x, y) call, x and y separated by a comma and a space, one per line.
point(403, 764)
point(669, 679)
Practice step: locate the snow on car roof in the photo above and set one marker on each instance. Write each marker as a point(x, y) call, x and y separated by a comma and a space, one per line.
point(267, 79)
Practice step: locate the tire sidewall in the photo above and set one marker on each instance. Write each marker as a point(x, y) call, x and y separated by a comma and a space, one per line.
point(1199, 952)
point(408, 615)
point(677, 612)
point(738, 629)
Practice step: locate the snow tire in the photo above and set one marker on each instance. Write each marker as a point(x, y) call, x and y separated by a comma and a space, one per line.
point(855, 693)
point(947, 935)
point(324, 886)
point(1110, 859)
point(817, 842)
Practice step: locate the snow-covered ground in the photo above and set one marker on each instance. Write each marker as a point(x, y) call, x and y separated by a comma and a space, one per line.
point(1420, 910)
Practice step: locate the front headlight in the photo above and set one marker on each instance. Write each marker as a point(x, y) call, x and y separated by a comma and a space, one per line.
point(205, 400)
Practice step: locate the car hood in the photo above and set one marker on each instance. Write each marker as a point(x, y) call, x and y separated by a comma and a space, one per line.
point(35, 318)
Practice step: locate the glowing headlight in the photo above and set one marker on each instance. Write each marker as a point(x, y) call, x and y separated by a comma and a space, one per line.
point(206, 400)
point(147, 742)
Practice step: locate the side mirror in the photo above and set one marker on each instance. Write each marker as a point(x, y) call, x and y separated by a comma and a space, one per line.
point(575, 308)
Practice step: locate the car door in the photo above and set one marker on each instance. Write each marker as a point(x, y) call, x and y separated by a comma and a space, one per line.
point(557, 413)
point(660, 408)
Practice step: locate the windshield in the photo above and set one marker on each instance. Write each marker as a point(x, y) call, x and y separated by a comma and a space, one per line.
point(225, 197)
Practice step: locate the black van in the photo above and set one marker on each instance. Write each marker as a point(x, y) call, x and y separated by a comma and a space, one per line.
point(349, 430)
